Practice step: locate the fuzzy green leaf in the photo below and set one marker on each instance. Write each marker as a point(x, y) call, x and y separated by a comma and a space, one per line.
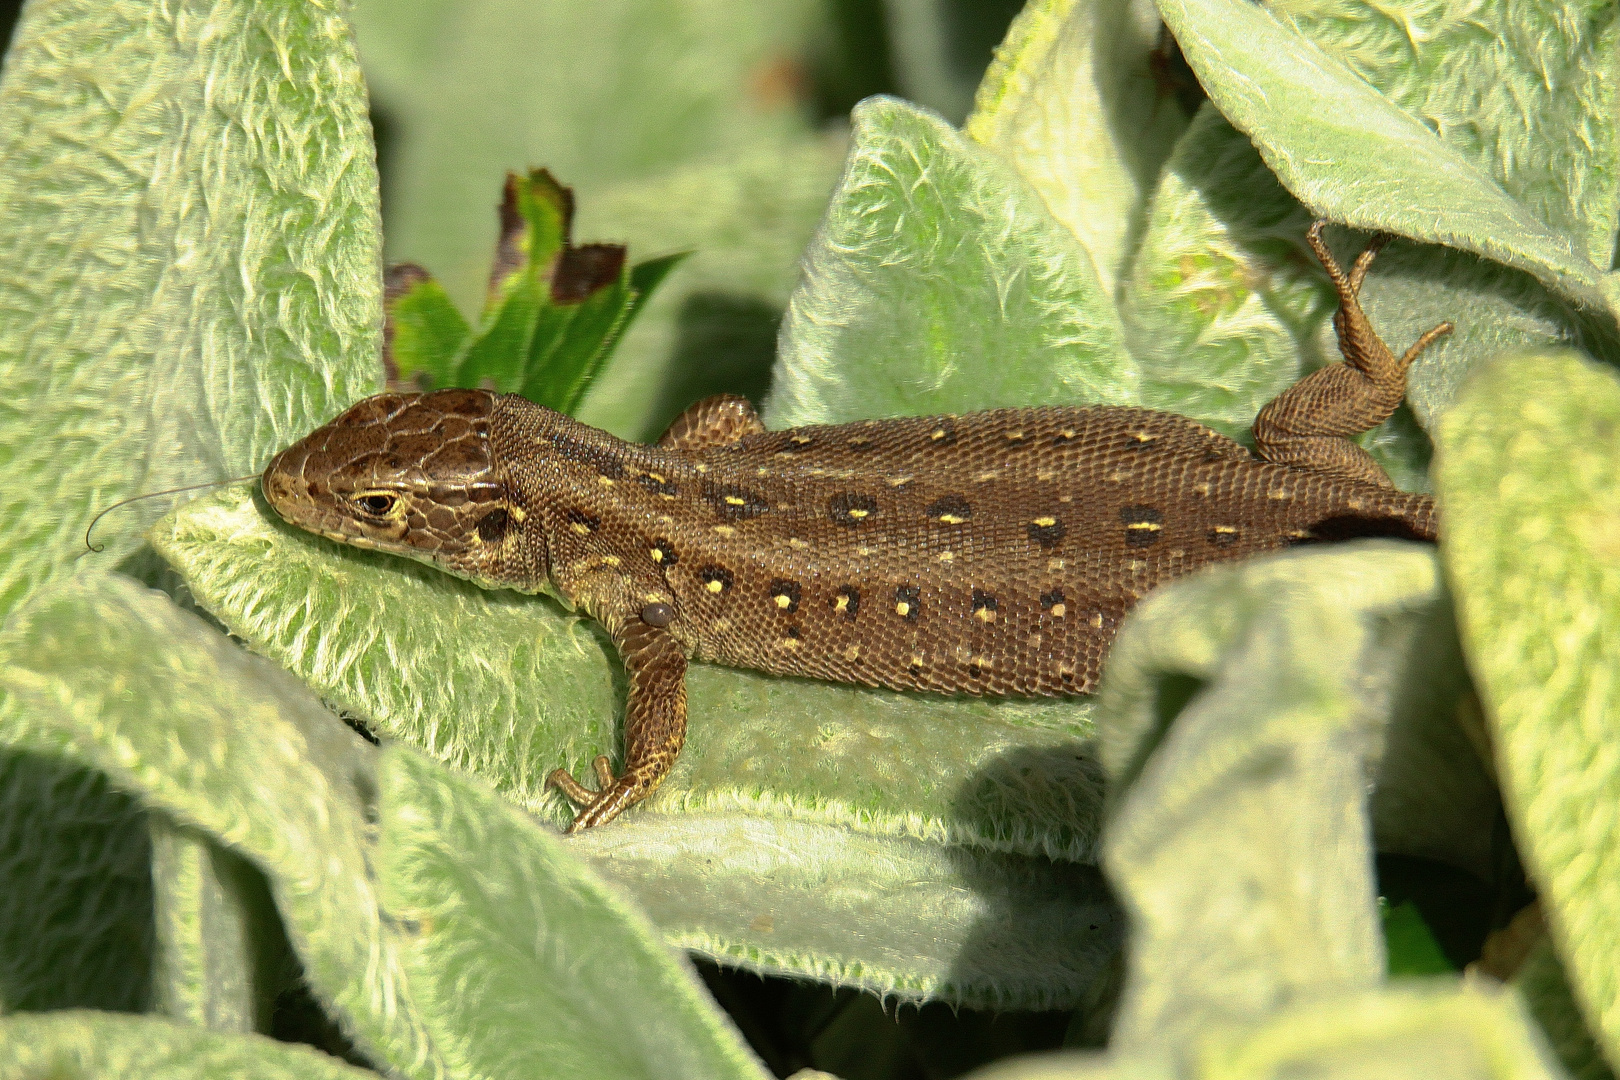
point(209, 918)
point(502, 926)
point(232, 746)
point(1351, 154)
point(1433, 1029)
point(1529, 471)
point(92, 1046)
point(76, 888)
point(1491, 80)
point(1072, 102)
point(190, 251)
point(1226, 307)
point(1240, 714)
point(940, 282)
point(509, 687)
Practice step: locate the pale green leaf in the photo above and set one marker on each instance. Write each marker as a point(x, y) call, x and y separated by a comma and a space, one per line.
point(1529, 471)
point(907, 919)
point(940, 282)
point(1492, 80)
point(1240, 715)
point(95, 1046)
point(230, 745)
point(1431, 1029)
point(1223, 302)
point(1351, 154)
point(509, 687)
point(75, 886)
point(1542, 984)
point(1072, 102)
point(210, 911)
point(524, 963)
point(189, 242)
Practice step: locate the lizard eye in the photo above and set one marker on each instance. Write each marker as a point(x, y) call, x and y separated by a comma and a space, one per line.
point(375, 504)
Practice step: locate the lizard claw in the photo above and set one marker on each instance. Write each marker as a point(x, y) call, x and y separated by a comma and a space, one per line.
point(615, 794)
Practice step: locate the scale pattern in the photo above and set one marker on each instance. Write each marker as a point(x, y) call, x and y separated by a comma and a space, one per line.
point(991, 553)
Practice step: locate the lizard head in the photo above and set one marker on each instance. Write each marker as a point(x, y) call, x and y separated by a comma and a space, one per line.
point(409, 474)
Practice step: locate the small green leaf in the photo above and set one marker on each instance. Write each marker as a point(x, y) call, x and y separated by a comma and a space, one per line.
point(1409, 944)
point(501, 926)
point(94, 1046)
point(940, 282)
point(553, 312)
point(1528, 468)
point(570, 342)
point(424, 333)
point(1349, 153)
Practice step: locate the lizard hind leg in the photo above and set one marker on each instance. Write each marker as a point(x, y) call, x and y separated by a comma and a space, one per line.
point(714, 421)
point(654, 728)
point(1308, 425)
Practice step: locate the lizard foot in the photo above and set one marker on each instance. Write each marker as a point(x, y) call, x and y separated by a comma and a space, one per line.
point(613, 796)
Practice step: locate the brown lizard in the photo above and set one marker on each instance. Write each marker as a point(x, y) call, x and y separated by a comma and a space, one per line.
point(991, 553)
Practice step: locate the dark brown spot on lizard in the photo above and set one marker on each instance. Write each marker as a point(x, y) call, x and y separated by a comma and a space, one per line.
point(734, 503)
point(851, 508)
point(950, 509)
point(1223, 535)
point(1046, 531)
point(846, 601)
point(605, 462)
point(785, 595)
point(716, 579)
point(1143, 525)
point(1052, 603)
point(582, 523)
point(908, 602)
point(493, 525)
point(658, 484)
point(983, 606)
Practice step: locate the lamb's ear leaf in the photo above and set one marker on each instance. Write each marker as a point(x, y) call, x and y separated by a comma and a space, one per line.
point(939, 282)
point(1528, 469)
point(1074, 100)
point(1342, 148)
point(85, 1045)
point(500, 921)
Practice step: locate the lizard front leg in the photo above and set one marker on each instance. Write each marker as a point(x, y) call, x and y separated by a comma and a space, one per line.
point(654, 723)
point(1308, 425)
